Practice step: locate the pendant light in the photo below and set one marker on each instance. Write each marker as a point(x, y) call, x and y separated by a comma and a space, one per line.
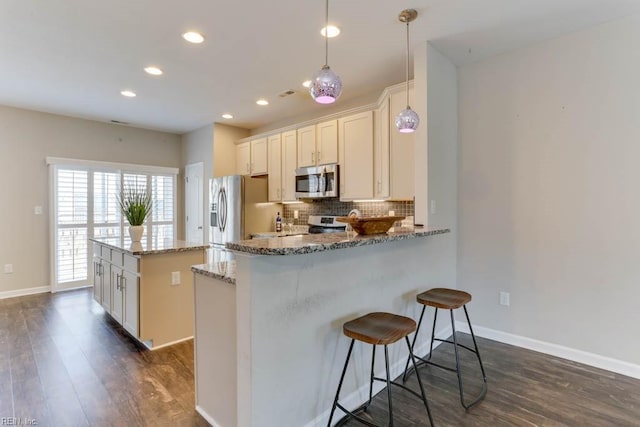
point(326, 85)
point(407, 120)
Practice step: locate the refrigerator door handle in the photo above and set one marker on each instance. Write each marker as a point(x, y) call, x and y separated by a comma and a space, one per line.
point(223, 209)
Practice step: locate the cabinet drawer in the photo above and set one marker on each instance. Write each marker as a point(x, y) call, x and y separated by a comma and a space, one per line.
point(117, 258)
point(131, 263)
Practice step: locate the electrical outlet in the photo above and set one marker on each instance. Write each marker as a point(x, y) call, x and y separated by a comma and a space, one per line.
point(392, 213)
point(175, 278)
point(432, 207)
point(295, 214)
point(504, 298)
point(37, 210)
point(8, 268)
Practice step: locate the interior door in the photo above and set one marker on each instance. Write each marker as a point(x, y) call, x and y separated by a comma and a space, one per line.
point(194, 202)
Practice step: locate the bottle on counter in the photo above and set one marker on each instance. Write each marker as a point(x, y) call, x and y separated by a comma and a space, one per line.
point(278, 223)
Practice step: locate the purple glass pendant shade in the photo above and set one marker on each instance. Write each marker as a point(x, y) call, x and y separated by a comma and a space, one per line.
point(407, 120)
point(326, 86)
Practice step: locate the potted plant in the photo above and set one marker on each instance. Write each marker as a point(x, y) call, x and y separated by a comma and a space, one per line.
point(135, 204)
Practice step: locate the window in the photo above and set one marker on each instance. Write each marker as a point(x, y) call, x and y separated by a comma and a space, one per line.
point(85, 205)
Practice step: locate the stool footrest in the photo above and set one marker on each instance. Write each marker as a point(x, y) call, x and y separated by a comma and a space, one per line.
point(352, 414)
point(402, 386)
point(459, 345)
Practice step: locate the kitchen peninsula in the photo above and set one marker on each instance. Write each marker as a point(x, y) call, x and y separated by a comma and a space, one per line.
point(147, 287)
point(269, 344)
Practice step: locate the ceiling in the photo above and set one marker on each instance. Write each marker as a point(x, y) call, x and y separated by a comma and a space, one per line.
point(73, 57)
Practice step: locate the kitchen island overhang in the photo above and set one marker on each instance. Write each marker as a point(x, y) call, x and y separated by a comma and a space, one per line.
point(289, 312)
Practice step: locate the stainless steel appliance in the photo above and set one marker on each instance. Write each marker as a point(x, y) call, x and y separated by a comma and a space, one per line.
point(325, 224)
point(317, 182)
point(238, 207)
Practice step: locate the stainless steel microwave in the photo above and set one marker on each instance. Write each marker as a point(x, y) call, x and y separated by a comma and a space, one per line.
point(317, 182)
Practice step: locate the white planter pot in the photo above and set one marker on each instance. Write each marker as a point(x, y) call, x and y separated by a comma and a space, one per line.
point(135, 232)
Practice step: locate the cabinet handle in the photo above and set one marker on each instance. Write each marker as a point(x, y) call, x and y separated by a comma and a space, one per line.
point(313, 157)
point(318, 155)
point(379, 186)
point(247, 167)
point(123, 282)
point(278, 192)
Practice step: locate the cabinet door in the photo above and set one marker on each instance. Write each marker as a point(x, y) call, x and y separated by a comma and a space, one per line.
point(259, 157)
point(97, 279)
point(381, 152)
point(275, 168)
point(116, 294)
point(307, 146)
point(107, 293)
point(289, 160)
point(401, 152)
point(129, 287)
point(327, 142)
point(243, 159)
point(355, 137)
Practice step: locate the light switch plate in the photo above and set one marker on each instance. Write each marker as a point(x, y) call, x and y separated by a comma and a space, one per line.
point(175, 278)
point(37, 210)
point(8, 268)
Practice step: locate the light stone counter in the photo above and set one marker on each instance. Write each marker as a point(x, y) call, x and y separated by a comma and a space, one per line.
point(157, 246)
point(304, 244)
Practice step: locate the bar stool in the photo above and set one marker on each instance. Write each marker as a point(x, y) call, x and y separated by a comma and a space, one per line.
point(447, 299)
point(378, 329)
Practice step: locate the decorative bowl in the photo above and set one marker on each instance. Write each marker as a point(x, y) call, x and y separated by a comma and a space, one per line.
point(371, 224)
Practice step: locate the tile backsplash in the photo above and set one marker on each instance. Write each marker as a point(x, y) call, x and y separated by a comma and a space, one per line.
point(336, 207)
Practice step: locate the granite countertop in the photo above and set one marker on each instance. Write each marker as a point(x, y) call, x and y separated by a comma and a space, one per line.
point(221, 265)
point(297, 245)
point(157, 246)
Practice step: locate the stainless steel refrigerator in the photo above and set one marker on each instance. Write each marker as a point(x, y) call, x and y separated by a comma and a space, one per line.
point(238, 207)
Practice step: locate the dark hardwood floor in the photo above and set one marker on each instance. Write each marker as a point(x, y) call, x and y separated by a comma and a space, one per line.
point(64, 362)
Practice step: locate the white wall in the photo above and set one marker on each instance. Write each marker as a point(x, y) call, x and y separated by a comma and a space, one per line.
point(26, 138)
point(224, 149)
point(548, 190)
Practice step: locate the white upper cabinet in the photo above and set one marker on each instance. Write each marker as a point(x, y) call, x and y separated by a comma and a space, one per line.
point(259, 157)
point(327, 142)
point(401, 152)
point(289, 161)
point(307, 146)
point(355, 139)
point(275, 168)
point(381, 152)
point(243, 159)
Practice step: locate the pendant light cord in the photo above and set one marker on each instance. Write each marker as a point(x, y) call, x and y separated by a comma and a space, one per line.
point(326, 35)
point(407, 67)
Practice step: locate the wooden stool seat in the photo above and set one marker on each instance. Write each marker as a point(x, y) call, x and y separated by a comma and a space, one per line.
point(448, 299)
point(379, 328)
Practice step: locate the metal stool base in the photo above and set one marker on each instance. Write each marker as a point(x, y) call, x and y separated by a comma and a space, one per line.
point(457, 369)
point(354, 414)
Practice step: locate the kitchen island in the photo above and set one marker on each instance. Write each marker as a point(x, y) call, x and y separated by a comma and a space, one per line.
point(147, 287)
point(275, 353)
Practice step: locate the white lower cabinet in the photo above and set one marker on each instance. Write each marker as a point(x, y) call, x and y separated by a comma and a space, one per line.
point(116, 281)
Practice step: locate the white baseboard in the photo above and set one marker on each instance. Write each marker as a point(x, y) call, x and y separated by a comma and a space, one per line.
point(359, 396)
point(153, 348)
point(591, 359)
point(23, 292)
point(206, 416)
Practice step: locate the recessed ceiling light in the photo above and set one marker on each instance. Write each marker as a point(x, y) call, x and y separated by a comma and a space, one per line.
point(306, 83)
point(262, 102)
point(193, 37)
point(128, 93)
point(333, 31)
point(154, 71)
point(227, 116)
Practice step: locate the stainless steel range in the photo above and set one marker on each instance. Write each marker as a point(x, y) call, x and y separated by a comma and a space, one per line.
point(325, 224)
